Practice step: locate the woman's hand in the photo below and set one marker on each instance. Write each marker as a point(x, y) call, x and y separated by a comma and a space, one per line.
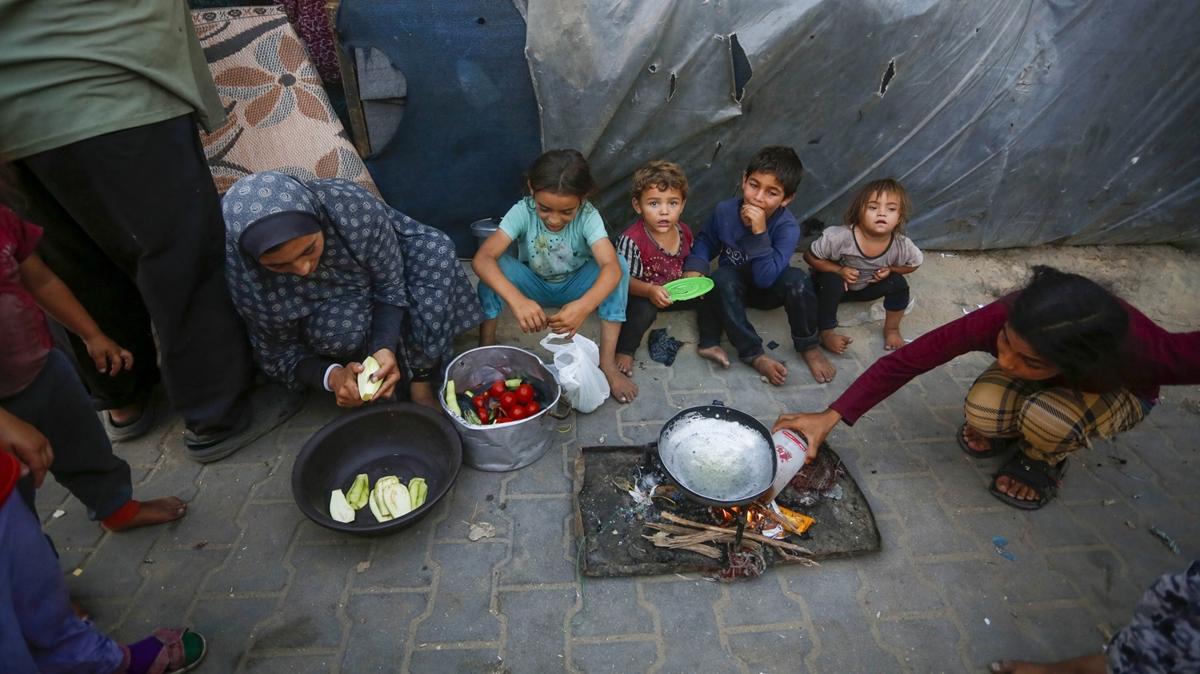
point(343, 381)
point(530, 315)
point(28, 444)
point(108, 356)
point(814, 428)
point(569, 318)
point(881, 273)
point(389, 373)
point(660, 298)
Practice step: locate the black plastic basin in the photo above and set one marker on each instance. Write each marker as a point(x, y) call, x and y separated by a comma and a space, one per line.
point(401, 439)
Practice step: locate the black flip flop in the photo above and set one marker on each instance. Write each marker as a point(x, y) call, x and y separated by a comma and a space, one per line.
point(1041, 476)
point(999, 445)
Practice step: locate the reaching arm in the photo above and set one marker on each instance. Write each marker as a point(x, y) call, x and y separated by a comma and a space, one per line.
point(821, 264)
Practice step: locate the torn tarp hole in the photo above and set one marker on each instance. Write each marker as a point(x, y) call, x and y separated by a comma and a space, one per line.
point(671, 93)
point(887, 77)
point(653, 67)
point(741, 67)
point(716, 150)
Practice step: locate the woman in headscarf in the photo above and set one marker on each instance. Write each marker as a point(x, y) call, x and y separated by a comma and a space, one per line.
point(325, 274)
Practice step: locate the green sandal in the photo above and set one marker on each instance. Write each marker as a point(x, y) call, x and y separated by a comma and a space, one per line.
point(179, 650)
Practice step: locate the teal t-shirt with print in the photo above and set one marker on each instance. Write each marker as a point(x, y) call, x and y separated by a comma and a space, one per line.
point(553, 255)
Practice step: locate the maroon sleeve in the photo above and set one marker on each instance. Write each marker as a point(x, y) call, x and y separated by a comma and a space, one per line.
point(974, 332)
point(25, 234)
point(1162, 358)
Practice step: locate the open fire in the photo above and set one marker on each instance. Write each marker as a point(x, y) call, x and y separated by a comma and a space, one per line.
point(729, 516)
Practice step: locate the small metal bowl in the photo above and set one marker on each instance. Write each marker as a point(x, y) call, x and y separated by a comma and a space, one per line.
point(401, 439)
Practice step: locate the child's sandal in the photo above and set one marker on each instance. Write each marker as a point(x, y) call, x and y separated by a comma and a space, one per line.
point(999, 445)
point(1043, 478)
point(167, 651)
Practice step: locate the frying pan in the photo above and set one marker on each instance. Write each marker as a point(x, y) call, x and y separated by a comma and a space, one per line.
point(717, 455)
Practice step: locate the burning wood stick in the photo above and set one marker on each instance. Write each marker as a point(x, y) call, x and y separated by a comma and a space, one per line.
point(664, 540)
point(671, 517)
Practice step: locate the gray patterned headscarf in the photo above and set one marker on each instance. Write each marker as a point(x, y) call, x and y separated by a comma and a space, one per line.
point(373, 254)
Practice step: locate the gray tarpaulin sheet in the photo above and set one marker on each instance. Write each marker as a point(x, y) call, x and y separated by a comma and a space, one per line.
point(1010, 122)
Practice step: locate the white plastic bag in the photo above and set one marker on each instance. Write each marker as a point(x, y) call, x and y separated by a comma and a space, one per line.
point(578, 365)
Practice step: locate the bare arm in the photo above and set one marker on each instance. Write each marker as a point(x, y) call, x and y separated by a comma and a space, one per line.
point(640, 288)
point(821, 264)
point(903, 270)
point(485, 266)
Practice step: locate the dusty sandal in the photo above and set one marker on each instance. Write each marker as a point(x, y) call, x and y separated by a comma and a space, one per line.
point(1040, 476)
point(167, 651)
point(999, 445)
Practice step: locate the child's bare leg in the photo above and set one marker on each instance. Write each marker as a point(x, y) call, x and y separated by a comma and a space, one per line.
point(892, 339)
point(714, 353)
point(421, 393)
point(773, 370)
point(834, 341)
point(625, 363)
point(487, 331)
point(623, 388)
point(822, 370)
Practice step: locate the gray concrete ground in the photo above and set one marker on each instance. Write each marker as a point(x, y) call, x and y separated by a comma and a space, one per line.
point(275, 593)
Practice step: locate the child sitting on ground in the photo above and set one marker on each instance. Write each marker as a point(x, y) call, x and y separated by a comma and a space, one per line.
point(865, 259)
point(571, 263)
point(655, 247)
point(39, 387)
point(755, 237)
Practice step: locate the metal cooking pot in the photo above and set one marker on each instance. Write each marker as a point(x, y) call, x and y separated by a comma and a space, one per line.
point(717, 455)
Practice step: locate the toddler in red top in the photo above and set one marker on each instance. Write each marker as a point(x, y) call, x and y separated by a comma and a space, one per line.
point(655, 246)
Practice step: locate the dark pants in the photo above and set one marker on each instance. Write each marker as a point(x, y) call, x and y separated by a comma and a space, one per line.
point(133, 226)
point(725, 307)
point(639, 316)
point(831, 291)
point(57, 405)
point(38, 630)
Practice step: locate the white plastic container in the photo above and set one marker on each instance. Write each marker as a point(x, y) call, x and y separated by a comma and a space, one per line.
point(790, 449)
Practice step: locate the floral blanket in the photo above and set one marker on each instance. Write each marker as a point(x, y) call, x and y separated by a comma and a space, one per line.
point(278, 116)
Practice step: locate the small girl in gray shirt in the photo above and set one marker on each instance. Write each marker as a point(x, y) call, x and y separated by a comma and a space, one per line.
point(864, 259)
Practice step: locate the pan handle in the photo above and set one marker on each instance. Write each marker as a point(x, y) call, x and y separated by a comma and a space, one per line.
point(719, 403)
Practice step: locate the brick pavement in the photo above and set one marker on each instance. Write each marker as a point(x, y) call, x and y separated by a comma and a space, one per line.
point(274, 592)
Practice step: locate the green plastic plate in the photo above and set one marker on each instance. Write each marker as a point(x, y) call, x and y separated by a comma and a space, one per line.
point(688, 288)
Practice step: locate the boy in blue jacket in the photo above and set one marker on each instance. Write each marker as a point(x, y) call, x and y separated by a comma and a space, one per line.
point(755, 237)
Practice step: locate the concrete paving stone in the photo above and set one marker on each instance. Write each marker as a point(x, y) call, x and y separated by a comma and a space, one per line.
point(73, 530)
point(171, 582)
point(682, 401)
point(107, 614)
point(228, 626)
point(475, 497)
point(690, 372)
point(901, 495)
point(308, 616)
point(609, 606)
point(825, 590)
point(277, 485)
point(1060, 529)
point(1176, 423)
point(70, 559)
point(547, 475)
point(462, 604)
point(889, 459)
point(781, 651)
point(456, 661)
point(600, 422)
point(115, 568)
point(843, 643)
point(379, 628)
point(256, 562)
point(980, 528)
point(969, 366)
point(890, 587)
point(290, 664)
point(761, 602)
point(267, 448)
point(986, 618)
point(177, 475)
point(401, 559)
point(618, 657)
point(1101, 578)
point(539, 542)
point(317, 411)
point(536, 637)
point(1066, 632)
point(50, 496)
point(963, 481)
point(652, 404)
point(148, 449)
point(689, 626)
point(939, 389)
point(1173, 470)
point(1145, 556)
point(930, 531)
point(223, 490)
point(757, 398)
point(1085, 482)
point(634, 434)
point(923, 644)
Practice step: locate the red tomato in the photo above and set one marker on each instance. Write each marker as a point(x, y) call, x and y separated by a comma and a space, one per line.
point(519, 412)
point(532, 408)
point(524, 393)
point(480, 399)
point(508, 400)
point(498, 389)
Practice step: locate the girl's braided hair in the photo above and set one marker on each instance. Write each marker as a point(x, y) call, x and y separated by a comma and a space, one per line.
point(1074, 323)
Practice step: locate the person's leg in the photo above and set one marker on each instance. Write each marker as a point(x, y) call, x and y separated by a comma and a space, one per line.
point(146, 196)
point(709, 326)
point(105, 288)
point(729, 294)
point(612, 314)
point(830, 287)
point(639, 316)
point(794, 290)
point(525, 279)
point(58, 406)
point(38, 630)
point(895, 302)
point(991, 408)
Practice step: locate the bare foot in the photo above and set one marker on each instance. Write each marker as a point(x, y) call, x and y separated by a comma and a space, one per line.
point(1015, 489)
point(421, 393)
point(892, 339)
point(976, 441)
point(773, 370)
point(822, 370)
point(157, 511)
point(835, 342)
point(625, 363)
point(623, 388)
point(714, 353)
point(1087, 664)
point(123, 416)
